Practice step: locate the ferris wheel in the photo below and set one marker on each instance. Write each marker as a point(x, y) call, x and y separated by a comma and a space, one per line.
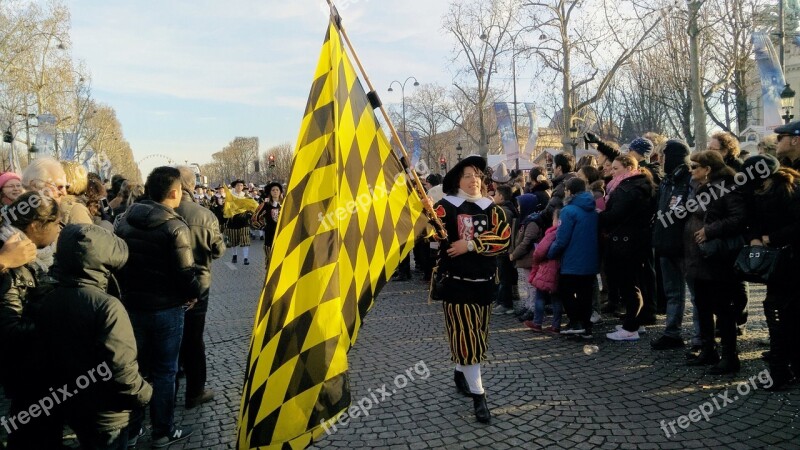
point(156, 156)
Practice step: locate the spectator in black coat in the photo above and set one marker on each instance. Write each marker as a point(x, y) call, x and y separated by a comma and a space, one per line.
point(86, 334)
point(715, 212)
point(158, 285)
point(774, 220)
point(668, 238)
point(207, 245)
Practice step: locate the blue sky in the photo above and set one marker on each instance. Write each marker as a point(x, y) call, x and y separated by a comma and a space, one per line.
point(186, 77)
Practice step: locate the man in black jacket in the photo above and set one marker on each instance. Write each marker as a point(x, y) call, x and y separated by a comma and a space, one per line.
point(788, 150)
point(158, 286)
point(207, 245)
point(88, 339)
point(668, 238)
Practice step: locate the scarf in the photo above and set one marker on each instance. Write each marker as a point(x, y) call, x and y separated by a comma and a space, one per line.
point(612, 185)
point(467, 197)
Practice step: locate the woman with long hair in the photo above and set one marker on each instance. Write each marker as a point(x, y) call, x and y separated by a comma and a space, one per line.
point(626, 224)
point(266, 216)
point(721, 215)
point(477, 232)
point(774, 219)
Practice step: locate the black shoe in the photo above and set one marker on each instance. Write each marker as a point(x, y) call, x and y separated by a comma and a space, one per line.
point(401, 277)
point(666, 343)
point(178, 434)
point(461, 382)
point(706, 357)
point(573, 329)
point(206, 396)
point(481, 408)
point(234, 259)
point(527, 315)
point(246, 262)
point(728, 364)
point(780, 379)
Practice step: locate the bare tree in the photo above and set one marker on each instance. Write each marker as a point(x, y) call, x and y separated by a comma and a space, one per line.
point(575, 34)
point(469, 21)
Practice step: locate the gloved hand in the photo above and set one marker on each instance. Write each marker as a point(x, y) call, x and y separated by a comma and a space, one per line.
point(591, 138)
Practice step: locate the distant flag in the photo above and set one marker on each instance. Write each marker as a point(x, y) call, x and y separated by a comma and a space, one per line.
point(772, 80)
point(506, 129)
point(70, 146)
point(348, 219)
point(87, 160)
point(533, 131)
point(416, 143)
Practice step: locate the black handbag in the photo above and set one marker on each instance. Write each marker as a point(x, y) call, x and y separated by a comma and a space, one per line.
point(759, 264)
point(721, 249)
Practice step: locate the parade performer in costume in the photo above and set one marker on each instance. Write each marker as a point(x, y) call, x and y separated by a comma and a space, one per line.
point(237, 211)
point(266, 216)
point(477, 232)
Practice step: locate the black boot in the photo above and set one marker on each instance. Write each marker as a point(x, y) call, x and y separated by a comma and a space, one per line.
point(706, 357)
point(481, 408)
point(461, 382)
point(728, 364)
point(234, 259)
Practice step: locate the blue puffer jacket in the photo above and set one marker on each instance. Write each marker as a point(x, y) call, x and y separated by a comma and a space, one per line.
point(576, 239)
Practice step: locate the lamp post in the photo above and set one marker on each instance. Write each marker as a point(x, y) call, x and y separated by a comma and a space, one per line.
point(485, 37)
point(787, 103)
point(403, 94)
point(458, 151)
point(573, 135)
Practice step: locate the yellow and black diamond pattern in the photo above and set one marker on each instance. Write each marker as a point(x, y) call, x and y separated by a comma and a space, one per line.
point(348, 219)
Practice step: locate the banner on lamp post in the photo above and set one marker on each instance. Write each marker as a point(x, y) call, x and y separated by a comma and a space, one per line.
point(772, 81)
point(70, 146)
point(46, 134)
point(533, 133)
point(506, 130)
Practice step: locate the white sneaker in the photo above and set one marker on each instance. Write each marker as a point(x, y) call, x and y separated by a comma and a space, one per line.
point(622, 335)
point(500, 309)
point(596, 317)
point(641, 330)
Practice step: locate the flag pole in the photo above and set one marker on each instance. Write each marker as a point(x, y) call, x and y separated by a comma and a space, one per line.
point(432, 217)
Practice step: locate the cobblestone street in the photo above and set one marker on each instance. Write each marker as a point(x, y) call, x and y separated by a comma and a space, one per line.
point(544, 391)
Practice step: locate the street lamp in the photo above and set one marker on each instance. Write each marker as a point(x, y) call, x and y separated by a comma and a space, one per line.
point(458, 151)
point(787, 103)
point(485, 37)
point(573, 135)
point(403, 94)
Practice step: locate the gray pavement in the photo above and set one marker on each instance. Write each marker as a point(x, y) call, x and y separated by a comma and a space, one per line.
point(544, 391)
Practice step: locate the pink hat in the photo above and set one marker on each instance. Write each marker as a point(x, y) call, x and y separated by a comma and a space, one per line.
point(8, 176)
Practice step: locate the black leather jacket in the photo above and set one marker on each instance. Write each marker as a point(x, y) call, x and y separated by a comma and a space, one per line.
point(207, 243)
point(160, 273)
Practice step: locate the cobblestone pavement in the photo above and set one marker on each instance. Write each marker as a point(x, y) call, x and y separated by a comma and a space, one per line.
point(544, 391)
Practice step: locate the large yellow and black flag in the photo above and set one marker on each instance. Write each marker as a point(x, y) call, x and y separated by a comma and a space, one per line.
point(348, 219)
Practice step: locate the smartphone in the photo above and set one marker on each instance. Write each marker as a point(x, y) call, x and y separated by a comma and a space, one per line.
point(104, 204)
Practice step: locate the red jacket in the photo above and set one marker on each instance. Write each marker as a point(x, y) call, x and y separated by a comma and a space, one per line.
point(544, 273)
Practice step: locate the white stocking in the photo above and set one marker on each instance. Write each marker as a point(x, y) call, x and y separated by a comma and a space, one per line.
point(473, 375)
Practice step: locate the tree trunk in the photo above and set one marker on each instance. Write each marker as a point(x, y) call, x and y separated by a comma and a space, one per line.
point(698, 108)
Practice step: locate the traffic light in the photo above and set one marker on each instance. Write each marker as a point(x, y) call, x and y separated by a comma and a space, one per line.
point(8, 137)
point(271, 161)
point(443, 163)
point(257, 166)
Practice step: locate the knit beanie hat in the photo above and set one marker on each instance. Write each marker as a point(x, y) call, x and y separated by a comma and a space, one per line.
point(642, 146)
